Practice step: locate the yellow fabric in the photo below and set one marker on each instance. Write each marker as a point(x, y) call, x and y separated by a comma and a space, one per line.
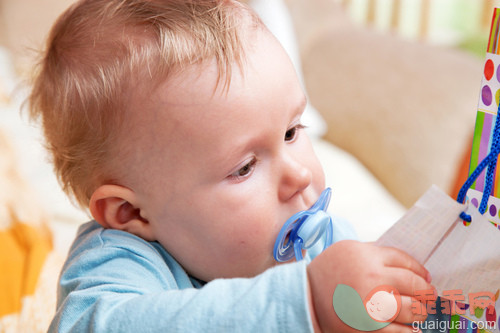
point(23, 250)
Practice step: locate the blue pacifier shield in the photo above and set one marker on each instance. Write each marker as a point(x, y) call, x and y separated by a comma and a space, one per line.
point(304, 229)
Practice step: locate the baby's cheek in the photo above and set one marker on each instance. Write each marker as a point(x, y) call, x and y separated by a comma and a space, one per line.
point(319, 178)
point(318, 173)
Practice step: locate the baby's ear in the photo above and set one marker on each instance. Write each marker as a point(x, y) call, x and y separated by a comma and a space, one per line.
point(117, 207)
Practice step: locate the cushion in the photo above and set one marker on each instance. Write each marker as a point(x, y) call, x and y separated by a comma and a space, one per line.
point(357, 195)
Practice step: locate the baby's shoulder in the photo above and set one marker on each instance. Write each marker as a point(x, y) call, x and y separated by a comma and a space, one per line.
point(97, 251)
point(93, 237)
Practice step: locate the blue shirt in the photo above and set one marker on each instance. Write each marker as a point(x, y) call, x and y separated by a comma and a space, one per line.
point(113, 281)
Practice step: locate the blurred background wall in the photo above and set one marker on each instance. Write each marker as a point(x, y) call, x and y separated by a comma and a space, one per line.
point(464, 23)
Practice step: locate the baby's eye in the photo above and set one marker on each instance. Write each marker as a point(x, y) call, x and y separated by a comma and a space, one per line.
point(291, 134)
point(245, 170)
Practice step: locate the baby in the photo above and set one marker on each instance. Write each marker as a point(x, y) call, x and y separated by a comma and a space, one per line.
point(178, 125)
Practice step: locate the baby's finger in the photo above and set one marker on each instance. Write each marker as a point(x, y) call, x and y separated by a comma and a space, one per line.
point(411, 311)
point(398, 258)
point(407, 282)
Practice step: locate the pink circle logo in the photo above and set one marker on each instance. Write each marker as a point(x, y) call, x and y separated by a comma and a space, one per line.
point(383, 303)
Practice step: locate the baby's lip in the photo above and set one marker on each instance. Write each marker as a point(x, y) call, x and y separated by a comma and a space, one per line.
point(304, 202)
point(309, 203)
point(305, 205)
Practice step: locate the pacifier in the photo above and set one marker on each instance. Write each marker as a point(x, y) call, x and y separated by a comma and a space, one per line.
point(304, 229)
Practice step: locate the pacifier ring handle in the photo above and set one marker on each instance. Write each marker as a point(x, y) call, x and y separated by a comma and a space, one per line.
point(283, 247)
point(297, 248)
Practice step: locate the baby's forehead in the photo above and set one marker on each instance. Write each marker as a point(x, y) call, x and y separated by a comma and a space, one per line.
point(173, 103)
point(188, 88)
point(189, 85)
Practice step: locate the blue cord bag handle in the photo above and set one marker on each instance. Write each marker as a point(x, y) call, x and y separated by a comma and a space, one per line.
point(489, 161)
point(304, 229)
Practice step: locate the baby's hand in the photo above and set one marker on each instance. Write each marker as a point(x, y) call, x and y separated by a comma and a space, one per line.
point(364, 266)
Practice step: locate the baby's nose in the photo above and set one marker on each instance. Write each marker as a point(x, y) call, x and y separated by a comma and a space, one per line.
point(295, 178)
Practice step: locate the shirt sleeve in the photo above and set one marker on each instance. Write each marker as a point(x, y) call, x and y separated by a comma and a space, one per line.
point(113, 289)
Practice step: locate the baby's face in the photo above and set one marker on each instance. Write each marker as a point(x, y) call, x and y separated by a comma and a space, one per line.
point(223, 172)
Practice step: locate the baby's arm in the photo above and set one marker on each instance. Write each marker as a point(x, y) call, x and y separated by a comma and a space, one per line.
point(112, 289)
point(363, 266)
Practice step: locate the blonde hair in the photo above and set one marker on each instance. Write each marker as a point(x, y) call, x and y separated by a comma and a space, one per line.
point(99, 50)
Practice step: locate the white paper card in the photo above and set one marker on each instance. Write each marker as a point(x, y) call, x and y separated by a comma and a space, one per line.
point(457, 256)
